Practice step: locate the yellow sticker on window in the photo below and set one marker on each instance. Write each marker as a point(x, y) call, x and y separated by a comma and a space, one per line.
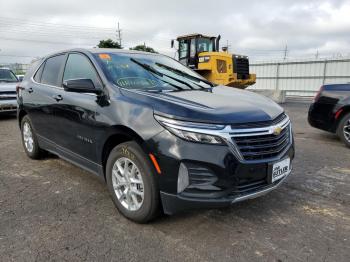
point(105, 56)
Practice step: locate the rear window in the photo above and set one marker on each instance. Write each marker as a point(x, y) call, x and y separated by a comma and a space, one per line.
point(52, 71)
point(7, 76)
point(38, 74)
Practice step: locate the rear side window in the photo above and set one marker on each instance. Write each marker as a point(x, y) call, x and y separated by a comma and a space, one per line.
point(38, 73)
point(78, 66)
point(51, 73)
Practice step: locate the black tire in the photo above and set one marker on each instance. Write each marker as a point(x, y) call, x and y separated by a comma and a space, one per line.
point(150, 207)
point(36, 152)
point(345, 121)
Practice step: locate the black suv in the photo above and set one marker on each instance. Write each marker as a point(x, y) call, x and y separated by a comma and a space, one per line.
point(330, 110)
point(160, 135)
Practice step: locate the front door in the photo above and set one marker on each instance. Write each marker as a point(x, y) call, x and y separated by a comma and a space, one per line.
point(75, 113)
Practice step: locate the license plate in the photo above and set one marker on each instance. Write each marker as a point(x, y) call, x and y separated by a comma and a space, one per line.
point(280, 169)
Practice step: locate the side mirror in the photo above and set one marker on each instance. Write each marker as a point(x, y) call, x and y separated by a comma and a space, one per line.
point(172, 43)
point(80, 86)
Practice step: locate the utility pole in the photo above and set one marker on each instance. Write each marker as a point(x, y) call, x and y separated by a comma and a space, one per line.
point(285, 53)
point(228, 46)
point(119, 35)
point(317, 55)
point(225, 48)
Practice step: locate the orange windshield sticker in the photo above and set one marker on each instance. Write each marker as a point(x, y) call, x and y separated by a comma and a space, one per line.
point(105, 56)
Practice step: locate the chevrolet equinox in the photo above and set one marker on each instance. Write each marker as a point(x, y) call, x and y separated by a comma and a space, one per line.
point(161, 136)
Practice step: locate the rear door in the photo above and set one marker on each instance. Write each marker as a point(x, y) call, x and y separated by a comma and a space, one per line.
point(39, 96)
point(75, 113)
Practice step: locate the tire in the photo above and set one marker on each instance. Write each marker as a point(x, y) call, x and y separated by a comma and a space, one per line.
point(138, 208)
point(29, 139)
point(343, 130)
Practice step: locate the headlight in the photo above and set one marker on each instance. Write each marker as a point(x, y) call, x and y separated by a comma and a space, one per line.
point(190, 131)
point(203, 59)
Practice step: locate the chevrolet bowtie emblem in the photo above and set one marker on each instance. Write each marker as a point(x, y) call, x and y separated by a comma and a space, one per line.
point(277, 131)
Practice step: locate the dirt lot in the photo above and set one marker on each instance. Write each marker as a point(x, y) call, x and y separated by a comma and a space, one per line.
point(52, 210)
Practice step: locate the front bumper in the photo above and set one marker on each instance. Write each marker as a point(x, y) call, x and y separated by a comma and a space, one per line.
point(217, 178)
point(8, 106)
point(176, 203)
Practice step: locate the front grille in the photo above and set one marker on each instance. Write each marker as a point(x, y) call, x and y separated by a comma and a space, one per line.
point(4, 108)
point(241, 67)
point(263, 146)
point(263, 143)
point(7, 95)
point(251, 187)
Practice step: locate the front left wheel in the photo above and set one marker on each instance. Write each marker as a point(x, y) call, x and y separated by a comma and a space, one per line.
point(132, 184)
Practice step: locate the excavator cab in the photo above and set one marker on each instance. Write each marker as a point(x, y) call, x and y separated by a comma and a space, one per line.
point(202, 53)
point(192, 45)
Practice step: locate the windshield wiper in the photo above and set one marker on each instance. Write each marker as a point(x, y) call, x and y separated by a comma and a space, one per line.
point(186, 75)
point(160, 75)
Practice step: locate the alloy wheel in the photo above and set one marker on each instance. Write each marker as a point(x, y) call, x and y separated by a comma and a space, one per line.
point(28, 137)
point(128, 184)
point(346, 130)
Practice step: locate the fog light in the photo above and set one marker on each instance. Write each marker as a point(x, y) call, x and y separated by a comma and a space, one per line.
point(182, 180)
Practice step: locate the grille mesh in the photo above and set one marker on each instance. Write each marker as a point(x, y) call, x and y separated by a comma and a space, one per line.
point(259, 147)
point(7, 95)
point(241, 67)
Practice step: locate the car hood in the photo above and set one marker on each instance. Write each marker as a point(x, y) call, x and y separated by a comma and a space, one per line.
point(5, 87)
point(224, 105)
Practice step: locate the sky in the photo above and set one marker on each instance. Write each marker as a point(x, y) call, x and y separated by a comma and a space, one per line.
point(261, 29)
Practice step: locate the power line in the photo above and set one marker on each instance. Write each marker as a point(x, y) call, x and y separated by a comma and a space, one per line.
point(10, 55)
point(39, 41)
point(22, 21)
point(51, 35)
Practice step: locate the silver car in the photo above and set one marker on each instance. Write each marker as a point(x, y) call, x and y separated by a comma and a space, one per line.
point(8, 83)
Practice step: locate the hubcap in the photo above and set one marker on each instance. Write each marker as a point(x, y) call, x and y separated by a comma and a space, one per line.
point(128, 184)
point(346, 130)
point(28, 137)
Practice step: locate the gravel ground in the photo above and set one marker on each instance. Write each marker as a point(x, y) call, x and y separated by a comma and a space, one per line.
point(51, 210)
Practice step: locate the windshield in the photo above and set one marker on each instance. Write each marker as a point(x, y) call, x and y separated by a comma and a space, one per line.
point(149, 72)
point(7, 76)
point(205, 45)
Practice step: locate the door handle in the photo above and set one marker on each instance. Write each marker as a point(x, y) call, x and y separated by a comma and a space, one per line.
point(58, 98)
point(30, 90)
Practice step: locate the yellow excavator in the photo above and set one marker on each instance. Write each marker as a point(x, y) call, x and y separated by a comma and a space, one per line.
point(202, 54)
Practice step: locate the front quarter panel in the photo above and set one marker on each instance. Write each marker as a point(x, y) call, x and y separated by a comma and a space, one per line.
point(124, 114)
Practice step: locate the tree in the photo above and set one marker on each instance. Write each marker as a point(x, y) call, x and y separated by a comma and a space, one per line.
point(109, 43)
point(144, 48)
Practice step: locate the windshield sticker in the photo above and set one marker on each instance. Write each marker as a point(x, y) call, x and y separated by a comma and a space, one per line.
point(136, 82)
point(105, 57)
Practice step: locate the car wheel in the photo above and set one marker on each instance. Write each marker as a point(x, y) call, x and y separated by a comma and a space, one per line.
point(344, 129)
point(29, 140)
point(132, 183)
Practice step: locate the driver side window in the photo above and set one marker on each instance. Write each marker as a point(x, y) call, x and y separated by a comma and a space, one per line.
point(78, 66)
point(183, 49)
